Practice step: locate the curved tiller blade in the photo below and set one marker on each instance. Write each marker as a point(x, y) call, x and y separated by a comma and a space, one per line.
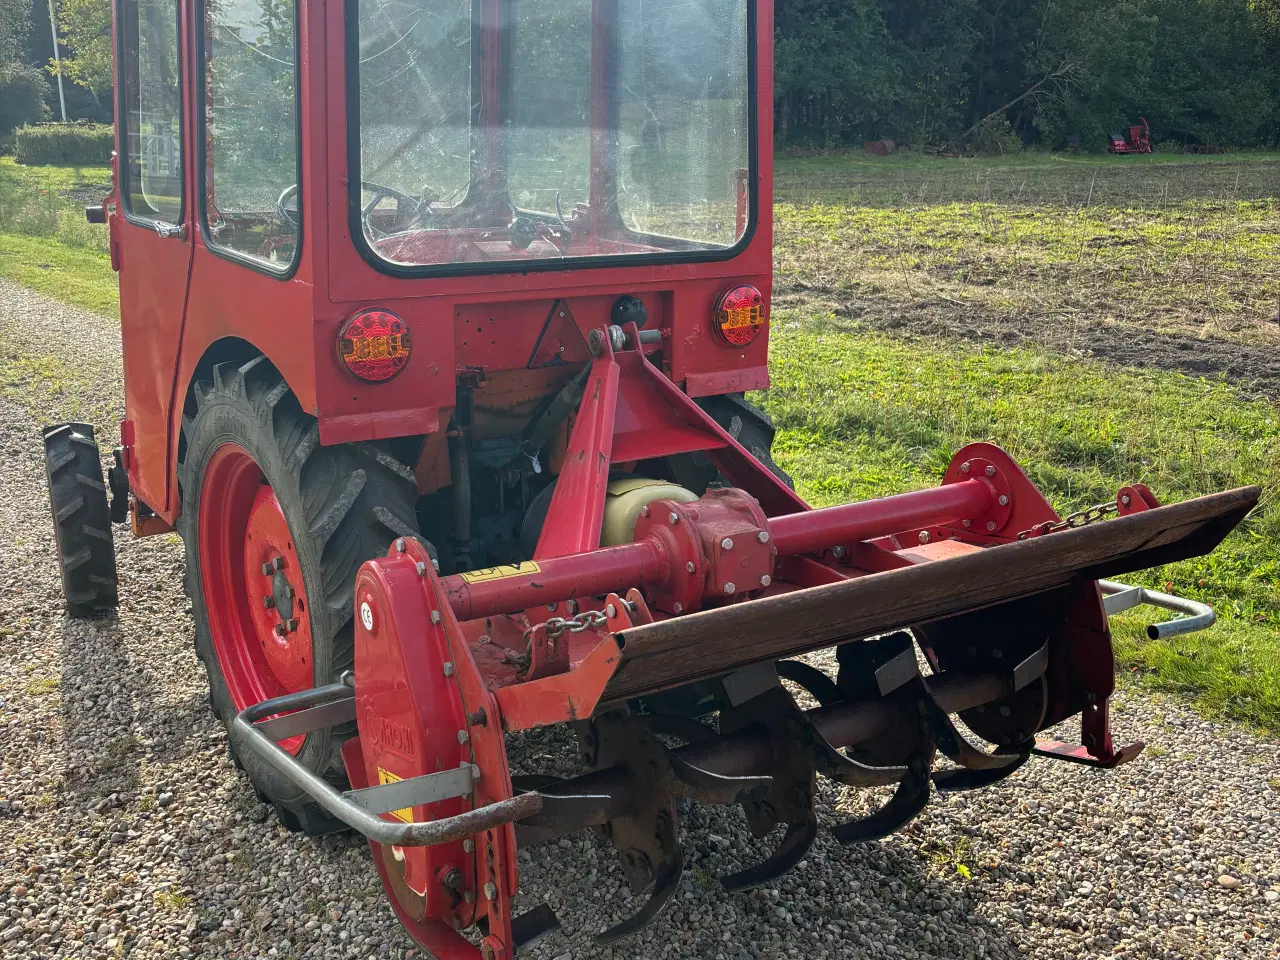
point(795, 844)
point(911, 797)
point(814, 682)
point(665, 881)
point(714, 788)
point(976, 779)
point(953, 744)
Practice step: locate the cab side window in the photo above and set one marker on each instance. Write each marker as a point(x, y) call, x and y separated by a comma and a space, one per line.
point(151, 110)
point(250, 190)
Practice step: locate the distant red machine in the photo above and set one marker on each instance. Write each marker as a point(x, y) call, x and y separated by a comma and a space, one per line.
point(1138, 141)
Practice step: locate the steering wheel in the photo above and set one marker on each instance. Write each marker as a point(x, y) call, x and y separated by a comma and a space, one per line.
point(417, 209)
point(282, 207)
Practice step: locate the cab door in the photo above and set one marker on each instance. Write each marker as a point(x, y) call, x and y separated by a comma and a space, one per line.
point(155, 235)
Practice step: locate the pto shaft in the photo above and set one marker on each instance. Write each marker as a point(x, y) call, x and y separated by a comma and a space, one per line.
point(649, 561)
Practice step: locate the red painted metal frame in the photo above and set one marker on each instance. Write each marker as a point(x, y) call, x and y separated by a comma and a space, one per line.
point(168, 333)
point(415, 674)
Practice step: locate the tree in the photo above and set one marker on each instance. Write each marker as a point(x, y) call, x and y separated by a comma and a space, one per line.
point(85, 26)
point(21, 87)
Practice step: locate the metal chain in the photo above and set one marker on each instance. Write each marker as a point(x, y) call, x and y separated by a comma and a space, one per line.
point(587, 620)
point(1081, 518)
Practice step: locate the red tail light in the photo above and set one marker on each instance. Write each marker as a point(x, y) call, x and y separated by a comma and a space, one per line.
point(375, 345)
point(739, 316)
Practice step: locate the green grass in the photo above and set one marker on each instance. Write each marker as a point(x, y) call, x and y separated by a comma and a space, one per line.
point(862, 414)
point(45, 243)
point(1178, 244)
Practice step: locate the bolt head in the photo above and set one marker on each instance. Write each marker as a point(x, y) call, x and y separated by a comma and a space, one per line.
point(435, 564)
point(1005, 711)
point(1126, 500)
point(611, 611)
point(279, 630)
point(838, 552)
point(763, 536)
point(1004, 500)
point(421, 568)
point(673, 517)
point(435, 616)
point(468, 896)
point(551, 607)
point(277, 563)
point(967, 523)
point(765, 579)
point(678, 607)
point(966, 467)
point(689, 566)
point(991, 471)
point(924, 536)
point(269, 602)
point(399, 544)
point(453, 878)
point(644, 511)
point(266, 570)
point(291, 624)
point(490, 891)
point(448, 668)
point(289, 591)
point(726, 543)
point(468, 845)
point(991, 526)
point(730, 587)
point(463, 736)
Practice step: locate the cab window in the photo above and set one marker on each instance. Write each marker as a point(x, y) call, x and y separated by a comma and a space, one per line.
point(150, 110)
point(251, 208)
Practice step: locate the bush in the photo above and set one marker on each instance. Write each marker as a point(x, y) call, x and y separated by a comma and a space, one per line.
point(22, 90)
point(994, 137)
point(64, 144)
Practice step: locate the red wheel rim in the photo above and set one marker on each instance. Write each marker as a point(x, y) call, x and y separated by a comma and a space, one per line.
point(255, 601)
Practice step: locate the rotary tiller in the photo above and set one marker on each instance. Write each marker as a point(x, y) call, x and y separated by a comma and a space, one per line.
point(438, 319)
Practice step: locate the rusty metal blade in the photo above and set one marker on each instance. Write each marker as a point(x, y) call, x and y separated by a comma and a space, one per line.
point(658, 656)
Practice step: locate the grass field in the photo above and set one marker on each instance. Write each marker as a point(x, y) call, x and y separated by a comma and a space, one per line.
point(1105, 319)
point(45, 243)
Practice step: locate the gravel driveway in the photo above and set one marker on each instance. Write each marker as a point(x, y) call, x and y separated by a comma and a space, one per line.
point(126, 832)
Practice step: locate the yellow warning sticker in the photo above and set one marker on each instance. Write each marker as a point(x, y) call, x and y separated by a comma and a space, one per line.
point(386, 776)
point(486, 574)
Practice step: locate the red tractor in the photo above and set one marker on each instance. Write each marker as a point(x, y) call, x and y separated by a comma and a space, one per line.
point(437, 322)
point(1138, 141)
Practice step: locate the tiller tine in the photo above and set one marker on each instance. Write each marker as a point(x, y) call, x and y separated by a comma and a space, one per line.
point(665, 882)
point(949, 780)
point(795, 844)
point(716, 789)
point(907, 802)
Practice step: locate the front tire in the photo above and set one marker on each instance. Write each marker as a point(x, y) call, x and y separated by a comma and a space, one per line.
point(81, 520)
point(275, 528)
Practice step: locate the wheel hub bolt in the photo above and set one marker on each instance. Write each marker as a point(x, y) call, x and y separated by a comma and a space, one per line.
point(269, 602)
point(453, 879)
point(991, 471)
point(280, 630)
point(726, 543)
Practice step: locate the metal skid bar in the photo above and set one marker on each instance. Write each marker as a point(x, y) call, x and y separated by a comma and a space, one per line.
point(1195, 615)
point(360, 809)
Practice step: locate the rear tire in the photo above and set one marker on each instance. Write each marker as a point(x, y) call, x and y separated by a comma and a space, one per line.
point(342, 505)
point(747, 424)
point(81, 520)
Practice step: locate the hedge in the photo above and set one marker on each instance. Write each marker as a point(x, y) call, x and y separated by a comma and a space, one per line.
point(64, 144)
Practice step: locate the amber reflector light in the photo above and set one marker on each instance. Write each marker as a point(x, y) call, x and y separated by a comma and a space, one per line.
point(374, 345)
point(739, 316)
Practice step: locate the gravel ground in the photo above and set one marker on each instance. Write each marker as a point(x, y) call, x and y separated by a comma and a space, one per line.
point(126, 832)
